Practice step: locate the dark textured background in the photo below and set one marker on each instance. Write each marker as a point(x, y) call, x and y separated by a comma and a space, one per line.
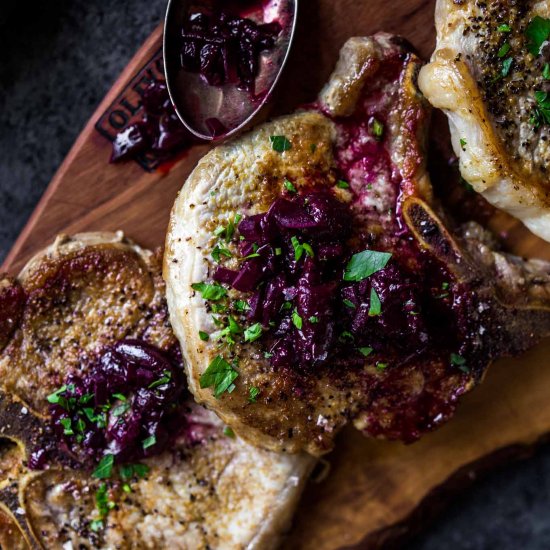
point(57, 61)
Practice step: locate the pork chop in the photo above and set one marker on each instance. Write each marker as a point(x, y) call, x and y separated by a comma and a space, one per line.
point(312, 280)
point(490, 74)
point(82, 301)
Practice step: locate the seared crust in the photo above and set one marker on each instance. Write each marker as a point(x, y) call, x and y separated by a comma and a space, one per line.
point(209, 491)
point(245, 176)
point(81, 294)
point(304, 408)
point(503, 154)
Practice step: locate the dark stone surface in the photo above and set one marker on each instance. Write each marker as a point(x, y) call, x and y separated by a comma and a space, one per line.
point(57, 61)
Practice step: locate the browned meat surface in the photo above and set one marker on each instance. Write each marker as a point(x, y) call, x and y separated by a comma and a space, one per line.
point(208, 489)
point(330, 355)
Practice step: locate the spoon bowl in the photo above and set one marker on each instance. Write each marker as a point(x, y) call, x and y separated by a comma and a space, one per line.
point(211, 111)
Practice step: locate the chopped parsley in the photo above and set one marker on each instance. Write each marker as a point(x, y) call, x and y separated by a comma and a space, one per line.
point(280, 143)
point(228, 432)
point(346, 336)
point(504, 49)
point(341, 184)
point(349, 303)
point(506, 66)
point(381, 366)
point(290, 187)
point(377, 128)
point(253, 393)
point(204, 336)
point(149, 441)
point(164, 379)
point(213, 292)
point(105, 467)
point(364, 264)
point(232, 329)
point(463, 144)
point(129, 471)
point(541, 114)
point(365, 351)
point(375, 307)
point(546, 71)
point(313, 319)
point(220, 375)
point(119, 410)
point(67, 426)
point(57, 399)
point(460, 362)
point(219, 251)
point(300, 248)
point(537, 32)
point(504, 28)
point(253, 332)
point(241, 306)
point(297, 320)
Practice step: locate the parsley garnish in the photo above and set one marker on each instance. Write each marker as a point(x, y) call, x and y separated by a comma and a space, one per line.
point(204, 336)
point(57, 399)
point(377, 128)
point(228, 432)
point(166, 377)
point(341, 184)
point(119, 410)
point(253, 332)
point(375, 306)
point(299, 249)
point(504, 28)
point(219, 251)
point(364, 264)
point(504, 49)
point(103, 505)
point(381, 366)
point(365, 351)
point(241, 306)
point(128, 471)
point(149, 441)
point(506, 66)
point(346, 336)
point(280, 143)
point(349, 303)
point(211, 292)
point(537, 32)
point(253, 393)
point(541, 114)
point(289, 187)
point(546, 71)
point(297, 320)
point(314, 319)
point(67, 425)
point(229, 230)
point(105, 467)
point(231, 330)
point(219, 375)
point(460, 362)
point(463, 144)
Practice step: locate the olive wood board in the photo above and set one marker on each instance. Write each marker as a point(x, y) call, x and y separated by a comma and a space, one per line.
point(377, 493)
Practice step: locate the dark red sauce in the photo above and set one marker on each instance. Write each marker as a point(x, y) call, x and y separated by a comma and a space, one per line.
point(224, 47)
point(128, 404)
point(421, 339)
point(159, 133)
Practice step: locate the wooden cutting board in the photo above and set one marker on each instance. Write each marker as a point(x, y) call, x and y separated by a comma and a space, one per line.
point(376, 492)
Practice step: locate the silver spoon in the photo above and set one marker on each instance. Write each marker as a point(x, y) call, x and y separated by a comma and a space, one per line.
point(213, 112)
